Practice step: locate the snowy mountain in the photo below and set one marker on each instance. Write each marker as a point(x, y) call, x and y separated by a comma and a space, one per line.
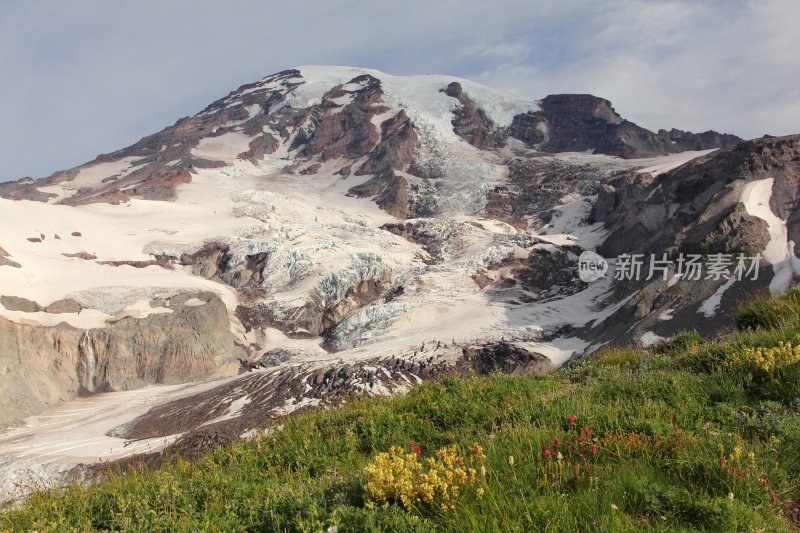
point(337, 230)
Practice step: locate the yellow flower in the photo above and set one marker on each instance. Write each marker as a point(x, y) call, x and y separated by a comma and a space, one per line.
point(399, 476)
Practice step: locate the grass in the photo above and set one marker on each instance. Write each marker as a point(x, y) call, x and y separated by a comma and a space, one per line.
point(684, 436)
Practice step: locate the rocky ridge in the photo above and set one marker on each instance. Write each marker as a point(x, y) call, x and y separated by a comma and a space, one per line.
point(341, 231)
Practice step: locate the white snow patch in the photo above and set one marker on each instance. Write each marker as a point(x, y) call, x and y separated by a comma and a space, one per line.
point(779, 251)
point(223, 147)
point(660, 164)
point(666, 314)
point(711, 304)
point(649, 338)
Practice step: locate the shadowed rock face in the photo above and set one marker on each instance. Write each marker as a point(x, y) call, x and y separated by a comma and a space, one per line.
point(396, 150)
point(273, 392)
point(580, 122)
point(40, 366)
point(487, 223)
point(472, 123)
point(694, 207)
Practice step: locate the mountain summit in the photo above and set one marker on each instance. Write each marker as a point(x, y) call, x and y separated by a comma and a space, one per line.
point(338, 230)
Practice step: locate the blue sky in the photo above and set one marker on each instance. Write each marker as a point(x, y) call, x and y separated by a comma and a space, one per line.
point(85, 77)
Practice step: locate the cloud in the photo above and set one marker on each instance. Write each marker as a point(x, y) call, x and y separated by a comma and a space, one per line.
point(91, 76)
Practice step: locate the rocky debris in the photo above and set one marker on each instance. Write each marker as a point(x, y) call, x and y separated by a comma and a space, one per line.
point(76, 234)
point(5, 259)
point(780, 158)
point(535, 187)
point(86, 256)
point(67, 305)
point(504, 357)
point(41, 366)
point(737, 232)
point(259, 147)
point(336, 297)
point(545, 272)
point(686, 140)
point(396, 151)
point(349, 132)
point(16, 303)
point(440, 238)
point(255, 397)
point(471, 123)
point(159, 185)
point(580, 122)
point(693, 207)
point(162, 261)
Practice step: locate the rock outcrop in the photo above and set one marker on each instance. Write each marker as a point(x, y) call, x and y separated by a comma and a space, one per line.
point(580, 122)
point(472, 123)
point(5, 260)
point(40, 366)
point(695, 207)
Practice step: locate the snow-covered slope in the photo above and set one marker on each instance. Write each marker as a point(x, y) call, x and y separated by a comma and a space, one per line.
point(364, 231)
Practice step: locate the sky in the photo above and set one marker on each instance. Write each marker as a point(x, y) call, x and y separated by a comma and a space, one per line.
point(85, 77)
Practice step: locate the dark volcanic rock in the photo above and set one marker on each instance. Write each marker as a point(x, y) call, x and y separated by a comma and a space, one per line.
point(270, 391)
point(693, 207)
point(580, 122)
point(471, 123)
point(396, 151)
point(16, 303)
point(349, 133)
point(5, 259)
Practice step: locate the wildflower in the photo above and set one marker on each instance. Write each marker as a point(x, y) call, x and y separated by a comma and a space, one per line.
point(483, 471)
point(594, 449)
point(614, 507)
point(479, 493)
point(751, 459)
point(559, 456)
point(737, 453)
point(547, 454)
point(414, 447)
point(571, 420)
point(730, 496)
point(511, 460)
point(332, 529)
point(554, 443)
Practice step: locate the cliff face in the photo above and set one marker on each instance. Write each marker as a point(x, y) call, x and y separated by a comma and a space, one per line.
point(579, 122)
point(345, 210)
point(41, 366)
point(697, 206)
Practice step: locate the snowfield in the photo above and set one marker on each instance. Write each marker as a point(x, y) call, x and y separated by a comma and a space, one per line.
point(313, 243)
